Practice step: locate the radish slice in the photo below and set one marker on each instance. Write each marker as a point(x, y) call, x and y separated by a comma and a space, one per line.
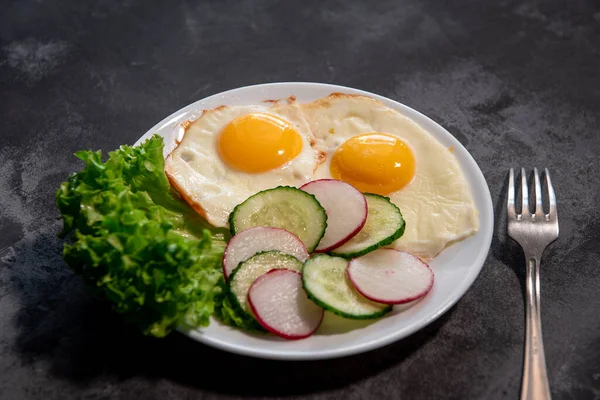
point(346, 210)
point(255, 240)
point(390, 276)
point(281, 306)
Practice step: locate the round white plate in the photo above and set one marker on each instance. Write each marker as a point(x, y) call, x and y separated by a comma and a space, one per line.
point(455, 268)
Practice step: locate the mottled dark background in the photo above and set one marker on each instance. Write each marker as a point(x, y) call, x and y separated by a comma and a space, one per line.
point(517, 82)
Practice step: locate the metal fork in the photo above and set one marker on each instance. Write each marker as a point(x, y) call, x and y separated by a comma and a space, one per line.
point(534, 232)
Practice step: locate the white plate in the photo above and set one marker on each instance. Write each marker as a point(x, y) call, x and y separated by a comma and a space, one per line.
point(455, 268)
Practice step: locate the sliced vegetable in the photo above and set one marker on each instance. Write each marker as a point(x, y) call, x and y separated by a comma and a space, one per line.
point(229, 312)
point(260, 239)
point(390, 276)
point(384, 226)
point(325, 281)
point(281, 306)
point(283, 207)
point(346, 209)
point(244, 275)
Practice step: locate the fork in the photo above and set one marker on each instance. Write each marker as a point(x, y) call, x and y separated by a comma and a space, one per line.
point(534, 232)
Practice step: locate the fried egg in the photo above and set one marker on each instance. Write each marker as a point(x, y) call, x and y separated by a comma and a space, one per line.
point(232, 152)
point(379, 150)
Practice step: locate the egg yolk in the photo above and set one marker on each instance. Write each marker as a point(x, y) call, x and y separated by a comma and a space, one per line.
point(374, 163)
point(258, 143)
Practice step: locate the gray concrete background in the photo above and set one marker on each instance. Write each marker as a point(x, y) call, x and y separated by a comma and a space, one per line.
point(518, 83)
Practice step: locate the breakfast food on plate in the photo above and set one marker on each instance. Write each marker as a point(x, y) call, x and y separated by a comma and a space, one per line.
point(282, 207)
point(326, 283)
point(390, 276)
point(384, 225)
point(232, 152)
point(346, 210)
point(268, 217)
point(139, 247)
point(260, 239)
point(248, 271)
point(281, 305)
point(379, 150)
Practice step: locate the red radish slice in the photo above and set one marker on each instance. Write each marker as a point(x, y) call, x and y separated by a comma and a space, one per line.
point(255, 240)
point(390, 276)
point(281, 306)
point(346, 209)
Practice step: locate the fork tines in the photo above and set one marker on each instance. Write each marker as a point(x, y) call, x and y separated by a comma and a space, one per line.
point(525, 212)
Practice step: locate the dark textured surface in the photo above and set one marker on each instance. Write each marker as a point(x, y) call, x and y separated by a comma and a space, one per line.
point(518, 83)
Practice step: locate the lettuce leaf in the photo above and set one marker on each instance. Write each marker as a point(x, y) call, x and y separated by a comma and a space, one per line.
point(231, 314)
point(138, 245)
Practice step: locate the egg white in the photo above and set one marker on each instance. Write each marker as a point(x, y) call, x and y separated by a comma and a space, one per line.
point(197, 171)
point(437, 204)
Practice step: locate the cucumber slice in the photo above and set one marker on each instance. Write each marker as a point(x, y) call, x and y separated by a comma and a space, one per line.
point(326, 283)
point(257, 240)
point(284, 207)
point(244, 275)
point(384, 226)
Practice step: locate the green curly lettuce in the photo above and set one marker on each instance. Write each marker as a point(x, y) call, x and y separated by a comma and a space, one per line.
point(231, 314)
point(138, 245)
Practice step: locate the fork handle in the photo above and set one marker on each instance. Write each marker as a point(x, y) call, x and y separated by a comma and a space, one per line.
point(535, 378)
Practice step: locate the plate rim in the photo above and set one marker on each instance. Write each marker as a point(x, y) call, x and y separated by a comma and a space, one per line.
point(466, 283)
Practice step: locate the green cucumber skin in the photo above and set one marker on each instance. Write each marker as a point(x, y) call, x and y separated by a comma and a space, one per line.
point(342, 314)
point(387, 241)
point(234, 298)
point(256, 326)
point(334, 310)
point(231, 218)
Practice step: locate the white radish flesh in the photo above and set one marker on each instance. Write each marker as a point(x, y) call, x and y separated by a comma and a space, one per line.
point(281, 306)
point(255, 240)
point(346, 209)
point(390, 276)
